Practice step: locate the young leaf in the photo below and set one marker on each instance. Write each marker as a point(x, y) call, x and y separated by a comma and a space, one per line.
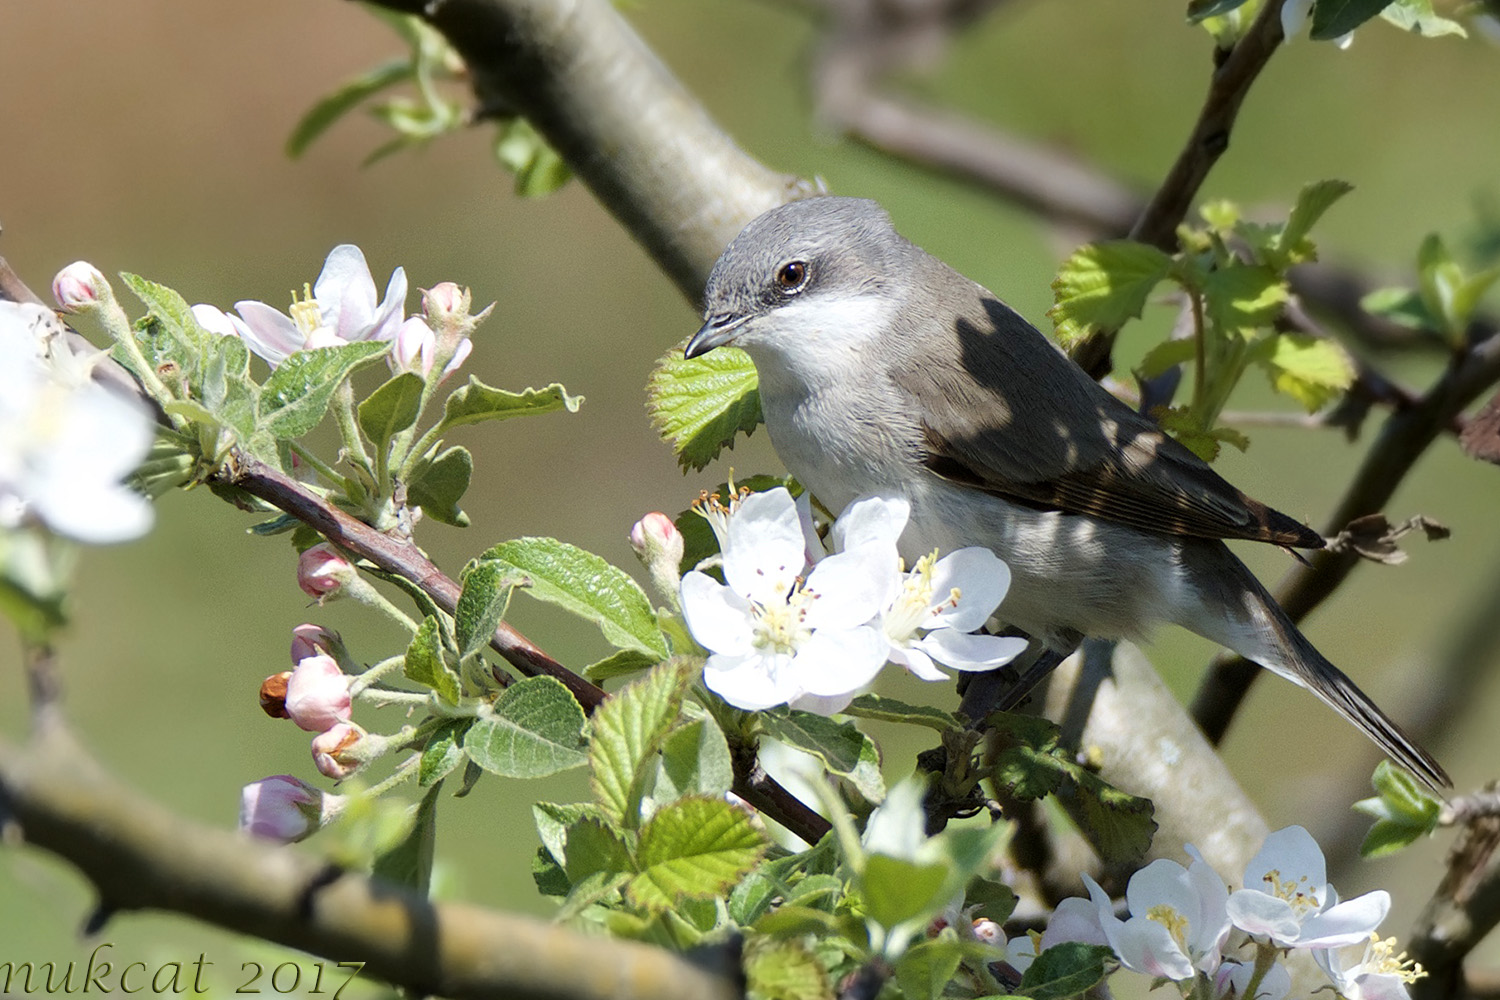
point(443, 753)
point(1403, 812)
point(594, 847)
point(882, 709)
point(1312, 370)
point(1166, 355)
point(554, 819)
point(924, 970)
point(1243, 297)
point(539, 170)
point(391, 409)
point(1332, 18)
point(694, 761)
point(476, 402)
point(784, 970)
point(589, 587)
point(1419, 17)
point(175, 318)
point(409, 861)
point(1102, 285)
point(486, 592)
point(699, 405)
point(1312, 201)
point(536, 729)
point(349, 95)
point(896, 890)
point(627, 731)
point(425, 663)
point(1402, 306)
point(621, 663)
point(438, 485)
point(694, 848)
point(547, 872)
point(1065, 970)
point(295, 397)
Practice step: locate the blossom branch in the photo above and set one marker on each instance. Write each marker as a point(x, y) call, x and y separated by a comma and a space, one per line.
point(1465, 907)
point(141, 857)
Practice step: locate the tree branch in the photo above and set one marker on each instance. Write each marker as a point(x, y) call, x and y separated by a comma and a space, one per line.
point(141, 857)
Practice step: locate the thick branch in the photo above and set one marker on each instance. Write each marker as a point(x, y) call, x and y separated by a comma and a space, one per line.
point(140, 857)
point(644, 145)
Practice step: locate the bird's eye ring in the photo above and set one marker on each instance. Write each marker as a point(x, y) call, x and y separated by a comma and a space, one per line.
point(792, 276)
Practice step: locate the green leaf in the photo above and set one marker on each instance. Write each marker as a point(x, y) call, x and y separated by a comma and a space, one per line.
point(1243, 297)
point(1118, 825)
point(176, 320)
point(1185, 425)
point(437, 485)
point(836, 744)
point(1403, 812)
point(1066, 970)
point(443, 753)
point(548, 874)
point(1200, 10)
point(426, 665)
point(476, 402)
point(699, 405)
point(1402, 306)
point(694, 848)
point(536, 729)
point(882, 709)
point(295, 397)
point(594, 848)
point(1312, 201)
point(628, 729)
point(589, 587)
point(1102, 285)
point(1470, 291)
point(349, 95)
point(1332, 18)
point(1386, 837)
point(486, 593)
point(554, 819)
point(1419, 17)
point(1312, 370)
point(1167, 354)
point(796, 921)
point(623, 663)
point(784, 970)
point(990, 899)
point(391, 409)
point(896, 890)
point(694, 761)
point(539, 170)
point(409, 862)
point(924, 971)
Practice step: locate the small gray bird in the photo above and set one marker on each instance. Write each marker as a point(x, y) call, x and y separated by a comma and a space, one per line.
point(883, 370)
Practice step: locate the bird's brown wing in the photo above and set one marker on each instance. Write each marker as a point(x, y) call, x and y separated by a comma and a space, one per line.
point(1015, 418)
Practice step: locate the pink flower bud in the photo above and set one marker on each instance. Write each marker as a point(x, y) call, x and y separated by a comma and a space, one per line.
point(281, 808)
point(322, 572)
point(989, 932)
point(446, 298)
point(80, 285)
point(310, 640)
point(335, 751)
point(273, 695)
point(658, 544)
point(317, 694)
point(460, 353)
point(413, 347)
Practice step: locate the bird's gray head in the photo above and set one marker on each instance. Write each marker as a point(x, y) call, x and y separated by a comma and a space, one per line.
point(818, 268)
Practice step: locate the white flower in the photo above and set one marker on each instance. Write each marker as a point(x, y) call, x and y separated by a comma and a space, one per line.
point(1287, 899)
point(939, 602)
point(775, 638)
point(340, 308)
point(1380, 974)
point(66, 442)
point(1233, 980)
point(1294, 15)
point(1178, 924)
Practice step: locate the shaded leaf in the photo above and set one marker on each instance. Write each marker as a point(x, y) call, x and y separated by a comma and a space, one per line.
point(426, 665)
point(1066, 970)
point(443, 753)
point(391, 409)
point(409, 862)
point(874, 706)
point(1333, 18)
point(896, 890)
point(438, 485)
point(836, 744)
point(481, 605)
point(627, 730)
point(694, 760)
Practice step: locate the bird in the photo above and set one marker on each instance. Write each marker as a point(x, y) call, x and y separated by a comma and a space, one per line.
point(883, 371)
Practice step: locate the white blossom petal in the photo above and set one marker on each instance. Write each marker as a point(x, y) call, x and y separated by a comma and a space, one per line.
point(980, 577)
point(1350, 922)
point(851, 587)
point(963, 651)
point(753, 682)
point(718, 618)
point(869, 520)
point(763, 550)
point(918, 662)
point(834, 662)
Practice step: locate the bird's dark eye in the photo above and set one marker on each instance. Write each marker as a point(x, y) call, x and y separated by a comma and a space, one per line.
point(791, 276)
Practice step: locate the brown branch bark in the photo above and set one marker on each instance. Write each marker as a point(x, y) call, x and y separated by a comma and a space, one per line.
point(141, 857)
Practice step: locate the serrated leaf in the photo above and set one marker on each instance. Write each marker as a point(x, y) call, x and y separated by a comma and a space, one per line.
point(698, 405)
point(836, 744)
point(536, 729)
point(627, 729)
point(476, 402)
point(694, 761)
point(694, 848)
point(1065, 970)
point(554, 818)
point(295, 397)
point(391, 409)
point(443, 753)
point(882, 709)
point(1029, 761)
point(425, 663)
point(896, 890)
point(1419, 17)
point(784, 970)
point(1333, 18)
point(593, 848)
point(486, 592)
point(1312, 201)
point(349, 95)
point(176, 319)
point(589, 587)
point(1118, 825)
point(409, 862)
point(924, 970)
point(1312, 370)
point(437, 486)
point(1243, 297)
point(1102, 285)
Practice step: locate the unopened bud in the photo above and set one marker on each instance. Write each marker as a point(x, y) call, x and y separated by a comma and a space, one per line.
point(317, 694)
point(335, 752)
point(273, 695)
point(322, 573)
point(446, 299)
point(284, 809)
point(79, 286)
point(310, 640)
point(413, 346)
point(989, 932)
point(658, 545)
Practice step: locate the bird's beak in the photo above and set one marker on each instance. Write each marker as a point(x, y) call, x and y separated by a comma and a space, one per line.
point(719, 330)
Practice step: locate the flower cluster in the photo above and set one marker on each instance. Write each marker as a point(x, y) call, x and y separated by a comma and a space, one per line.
point(1185, 926)
point(315, 695)
point(794, 624)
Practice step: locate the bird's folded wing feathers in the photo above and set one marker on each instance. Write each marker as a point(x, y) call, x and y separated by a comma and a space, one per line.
point(1019, 438)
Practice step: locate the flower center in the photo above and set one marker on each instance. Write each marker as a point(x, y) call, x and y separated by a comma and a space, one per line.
point(1295, 892)
point(781, 628)
point(305, 312)
point(1381, 958)
point(914, 607)
point(1175, 923)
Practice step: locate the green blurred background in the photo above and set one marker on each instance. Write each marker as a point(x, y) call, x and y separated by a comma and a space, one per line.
point(148, 137)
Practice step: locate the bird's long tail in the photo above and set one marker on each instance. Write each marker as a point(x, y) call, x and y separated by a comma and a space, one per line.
point(1259, 630)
